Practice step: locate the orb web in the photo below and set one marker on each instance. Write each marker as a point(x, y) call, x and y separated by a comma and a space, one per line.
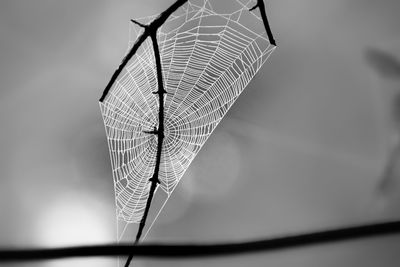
point(209, 54)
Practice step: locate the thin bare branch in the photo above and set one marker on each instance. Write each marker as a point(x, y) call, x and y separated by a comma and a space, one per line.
point(261, 6)
point(184, 251)
point(152, 28)
point(160, 138)
point(138, 23)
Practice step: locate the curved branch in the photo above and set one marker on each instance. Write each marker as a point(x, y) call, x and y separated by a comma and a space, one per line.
point(152, 28)
point(260, 5)
point(210, 250)
point(157, 23)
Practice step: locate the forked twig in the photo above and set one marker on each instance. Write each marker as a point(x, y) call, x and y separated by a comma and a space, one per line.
point(150, 29)
point(158, 22)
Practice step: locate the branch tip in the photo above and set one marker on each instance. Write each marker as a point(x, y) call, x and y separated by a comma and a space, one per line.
point(138, 23)
point(254, 7)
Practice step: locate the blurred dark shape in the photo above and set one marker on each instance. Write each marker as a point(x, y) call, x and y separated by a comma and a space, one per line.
point(384, 63)
point(388, 67)
point(389, 179)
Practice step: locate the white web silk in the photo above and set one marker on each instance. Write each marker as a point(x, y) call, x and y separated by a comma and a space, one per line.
point(208, 57)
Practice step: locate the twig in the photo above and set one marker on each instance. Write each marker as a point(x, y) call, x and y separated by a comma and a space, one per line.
point(160, 138)
point(211, 250)
point(149, 30)
point(261, 6)
point(138, 23)
point(157, 23)
point(152, 28)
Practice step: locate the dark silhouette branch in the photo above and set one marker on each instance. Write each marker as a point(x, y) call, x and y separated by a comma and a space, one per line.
point(261, 6)
point(157, 23)
point(150, 29)
point(175, 251)
point(138, 23)
point(160, 138)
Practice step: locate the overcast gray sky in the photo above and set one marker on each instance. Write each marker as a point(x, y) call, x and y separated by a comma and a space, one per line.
point(302, 148)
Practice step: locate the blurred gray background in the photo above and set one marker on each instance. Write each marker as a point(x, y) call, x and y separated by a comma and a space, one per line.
point(302, 149)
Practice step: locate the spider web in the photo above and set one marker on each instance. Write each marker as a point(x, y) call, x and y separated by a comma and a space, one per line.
point(208, 57)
